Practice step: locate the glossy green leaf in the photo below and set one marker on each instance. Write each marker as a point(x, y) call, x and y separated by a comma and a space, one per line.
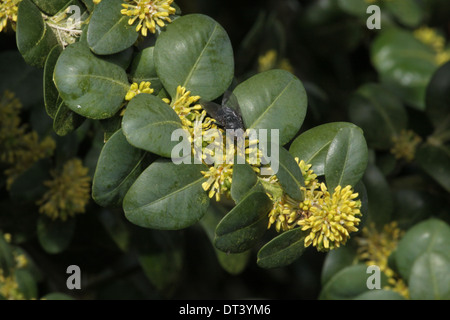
point(109, 31)
point(66, 120)
point(283, 249)
point(89, 85)
point(244, 180)
point(55, 235)
point(431, 235)
point(233, 263)
point(244, 225)
point(143, 69)
point(437, 97)
point(348, 283)
point(52, 99)
point(34, 38)
point(380, 114)
point(312, 145)
point(202, 59)
point(274, 99)
point(404, 63)
point(167, 196)
point(148, 124)
point(51, 7)
point(430, 277)
point(346, 159)
point(435, 161)
point(289, 174)
point(337, 260)
point(118, 166)
point(381, 201)
point(117, 228)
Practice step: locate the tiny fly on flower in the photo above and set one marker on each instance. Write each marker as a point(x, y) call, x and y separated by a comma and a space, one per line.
point(228, 114)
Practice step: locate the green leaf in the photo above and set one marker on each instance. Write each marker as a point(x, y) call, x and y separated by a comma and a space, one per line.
point(7, 261)
point(52, 99)
point(26, 284)
point(283, 249)
point(244, 180)
point(109, 31)
point(435, 161)
point(381, 201)
point(117, 228)
point(202, 59)
point(431, 235)
point(289, 175)
point(118, 166)
point(274, 99)
point(89, 85)
point(244, 225)
point(404, 63)
point(51, 7)
point(312, 145)
point(346, 159)
point(379, 113)
point(66, 120)
point(148, 124)
point(337, 260)
point(430, 277)
point(34, 38)
point(408, 13)
point(55, 235)
point(167, 196)
point(437, 97)
point(348, 283)
point(143, 69)
point(233, 263)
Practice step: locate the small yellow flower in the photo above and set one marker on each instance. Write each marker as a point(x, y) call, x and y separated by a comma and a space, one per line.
point(219, 180)
point(267, 61)
point(431, 38)
point(68, 192)
point(375, 247)
point(9, 288)
point(186, 107)
point(135, 89)
point(8, 12)
point(332, 218)
point(97, 1)
point(149, 13)
point(405, 145)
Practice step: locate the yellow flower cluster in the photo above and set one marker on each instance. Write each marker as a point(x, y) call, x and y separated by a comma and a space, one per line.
point(375, 247)
point(68, 192)
point(329, 218)
point(8, 12)
point(135, 89)
point(9, 288)
point(405, 145)
point(430, 37)
point(19, 149)
point(149, 13)
point(269, 61)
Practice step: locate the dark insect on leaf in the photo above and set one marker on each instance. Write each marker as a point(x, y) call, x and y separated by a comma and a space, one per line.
point(228, 114)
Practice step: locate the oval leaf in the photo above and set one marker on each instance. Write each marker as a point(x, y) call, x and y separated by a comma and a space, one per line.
point(148, 124)
point(109, 31)
point(118, 166)
point(244, 225)
point(167, 196)
point(89, 85)
point(55, 235)
point(34, 38)
point(283, 249)
point(52, 99)
point(201, 59)
point(312, 145)
point(437, 98)
point(435, 161)
point(143, 69)
point(66, 120)
point(346, 159)
point(274, 99)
